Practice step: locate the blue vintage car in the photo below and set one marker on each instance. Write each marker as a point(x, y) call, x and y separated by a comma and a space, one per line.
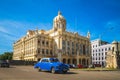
point(51, 64)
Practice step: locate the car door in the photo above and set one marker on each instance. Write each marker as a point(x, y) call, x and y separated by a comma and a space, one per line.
point(47, 65)
point(42, 64)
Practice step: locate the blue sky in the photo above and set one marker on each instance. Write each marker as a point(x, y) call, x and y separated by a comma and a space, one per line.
point(100, 17)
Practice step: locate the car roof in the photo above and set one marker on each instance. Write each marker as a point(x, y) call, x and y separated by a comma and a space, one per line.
point(49, 58)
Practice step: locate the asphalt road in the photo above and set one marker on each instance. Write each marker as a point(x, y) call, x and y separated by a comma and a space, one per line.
point(29, 73)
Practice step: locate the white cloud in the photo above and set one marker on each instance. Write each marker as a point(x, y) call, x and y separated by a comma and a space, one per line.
point(113, 25)
point(15, 29)
point(11, 31)
point(3, 30)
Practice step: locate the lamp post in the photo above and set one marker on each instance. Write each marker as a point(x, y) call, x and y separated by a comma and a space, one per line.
point(77, 57)
point(59, 54)
point(59, 50)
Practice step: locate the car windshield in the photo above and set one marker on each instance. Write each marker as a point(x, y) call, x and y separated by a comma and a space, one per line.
point(54, 60)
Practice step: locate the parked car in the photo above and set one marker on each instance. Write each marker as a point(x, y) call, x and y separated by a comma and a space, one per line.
point(4, 63)
point(82, 66)
point(51, 64)
point(97, 65)
point(91, 66)
point(72, 66)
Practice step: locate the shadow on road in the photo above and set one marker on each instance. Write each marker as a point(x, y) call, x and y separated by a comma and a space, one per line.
point(60, 73)
point(12, 67)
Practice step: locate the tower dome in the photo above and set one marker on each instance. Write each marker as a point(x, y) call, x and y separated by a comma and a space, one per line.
point(59, 17)
point(114, 42)
point(59, 22)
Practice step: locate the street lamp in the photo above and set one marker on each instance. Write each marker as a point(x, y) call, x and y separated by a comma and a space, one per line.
point(59, 54)
point(77, 57)
point(59, 50)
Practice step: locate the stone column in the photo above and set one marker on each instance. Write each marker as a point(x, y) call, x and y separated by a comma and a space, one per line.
point(77, 57)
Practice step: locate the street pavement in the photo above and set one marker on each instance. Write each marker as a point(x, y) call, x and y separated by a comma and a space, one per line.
point(29, 73)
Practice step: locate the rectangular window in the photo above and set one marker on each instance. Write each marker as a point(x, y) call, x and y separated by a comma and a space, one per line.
point(113, 49)
point(102, 58)
point(99, 50)
point(47, 43)
point(38, 50)
point(105, 53)
point(102, 49)
point(46, 51)
point(42, 51)
point(43, 42)
point(51, 52)
point(105, 49)
point(72, 44)
point(102, 53)
point(63, 42)
point(38, 41)
point(72, 52)
point(76, 46)
point(68, 43)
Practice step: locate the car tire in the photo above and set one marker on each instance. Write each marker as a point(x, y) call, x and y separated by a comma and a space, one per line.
point(8, 66)
point(0, 65)
point(64, 72)
point(53, 70)
point(39, 69)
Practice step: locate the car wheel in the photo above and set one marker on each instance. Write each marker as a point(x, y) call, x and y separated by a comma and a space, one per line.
point(0, 65)
point(64, 71)
point(53, 70)
point(8, 66)
point(39, 69)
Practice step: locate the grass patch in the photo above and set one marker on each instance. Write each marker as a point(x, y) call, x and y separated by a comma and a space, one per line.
point(97, 69)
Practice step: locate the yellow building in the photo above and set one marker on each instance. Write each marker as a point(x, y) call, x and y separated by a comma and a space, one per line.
point(69, 47)
point(113, 56)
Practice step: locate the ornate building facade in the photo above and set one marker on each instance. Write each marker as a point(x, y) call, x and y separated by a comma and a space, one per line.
point(69, 47)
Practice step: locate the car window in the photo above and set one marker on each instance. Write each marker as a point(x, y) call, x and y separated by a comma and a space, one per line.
point(54, 60)
point(47, 60)
point(44, 60)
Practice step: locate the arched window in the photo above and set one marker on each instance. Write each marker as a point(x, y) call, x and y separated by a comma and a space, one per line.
point(112, 48)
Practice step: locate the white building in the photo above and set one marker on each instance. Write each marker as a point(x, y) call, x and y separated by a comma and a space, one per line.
point(99, 51)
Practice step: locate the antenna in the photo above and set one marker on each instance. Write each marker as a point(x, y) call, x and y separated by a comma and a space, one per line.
point(99, 36)
point(75, 23)
point(109, 29)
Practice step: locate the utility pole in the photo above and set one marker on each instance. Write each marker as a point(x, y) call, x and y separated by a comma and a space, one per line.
point(109, 29)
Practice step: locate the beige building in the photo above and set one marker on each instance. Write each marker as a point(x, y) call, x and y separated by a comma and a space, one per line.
point(69, 47)
point(113, 56)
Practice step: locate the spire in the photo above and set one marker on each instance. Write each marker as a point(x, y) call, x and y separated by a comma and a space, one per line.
point(59, 13)
point(36, 30)
point(88, 34)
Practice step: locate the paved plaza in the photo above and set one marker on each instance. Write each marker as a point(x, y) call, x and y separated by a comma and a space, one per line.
point(29, 73)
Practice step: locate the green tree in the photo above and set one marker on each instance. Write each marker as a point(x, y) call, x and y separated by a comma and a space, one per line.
point(6, 56)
